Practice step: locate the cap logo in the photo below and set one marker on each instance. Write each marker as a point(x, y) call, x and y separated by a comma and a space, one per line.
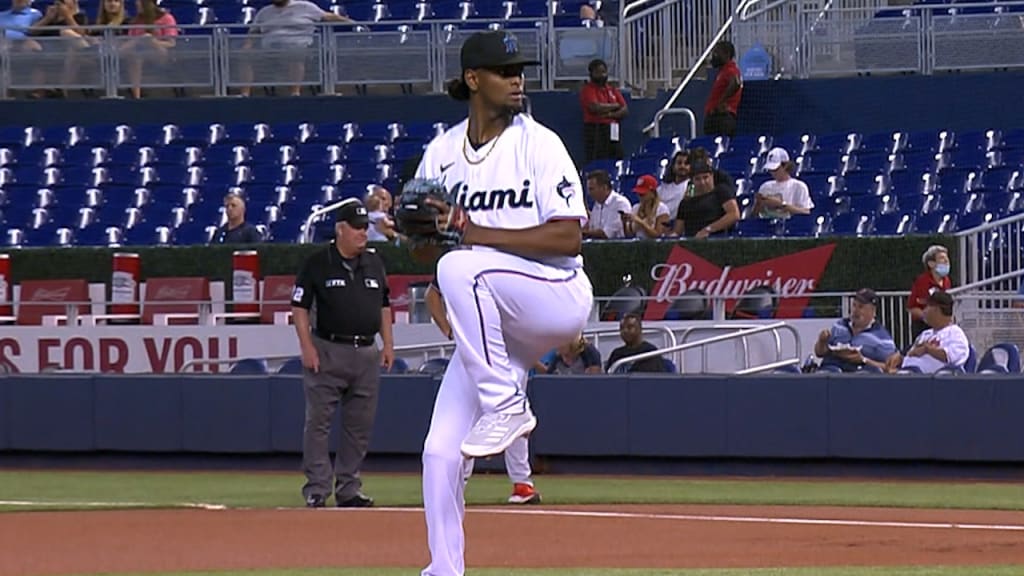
point(511, 44)
point(361, 211)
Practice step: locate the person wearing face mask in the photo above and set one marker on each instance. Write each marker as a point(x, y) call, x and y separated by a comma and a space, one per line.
point(723, 103)
point(934, 278)
point(603, 107)
point(286, 29)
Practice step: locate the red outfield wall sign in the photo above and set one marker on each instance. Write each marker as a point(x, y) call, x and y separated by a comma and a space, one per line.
point(792, 278)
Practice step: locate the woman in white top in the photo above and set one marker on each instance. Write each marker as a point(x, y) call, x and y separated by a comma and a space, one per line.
point(650, 216)
point(783, 195)
point(673, 185)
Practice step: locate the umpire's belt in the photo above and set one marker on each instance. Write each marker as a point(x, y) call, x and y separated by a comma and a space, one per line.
point(346, 339)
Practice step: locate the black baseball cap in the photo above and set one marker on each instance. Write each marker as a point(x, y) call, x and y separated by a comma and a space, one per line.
point(701, 167)
point(352, 212)
point(866, 296)
point(493, 49)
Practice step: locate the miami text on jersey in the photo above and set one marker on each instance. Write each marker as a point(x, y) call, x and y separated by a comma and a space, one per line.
point(491, 199)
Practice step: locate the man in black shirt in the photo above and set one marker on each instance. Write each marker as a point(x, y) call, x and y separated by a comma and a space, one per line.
point(709, 204)
point(236, 230)
point(345, 283)
point(631, 331)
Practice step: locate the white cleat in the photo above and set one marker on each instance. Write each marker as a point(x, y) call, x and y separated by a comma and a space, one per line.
point(494, 433)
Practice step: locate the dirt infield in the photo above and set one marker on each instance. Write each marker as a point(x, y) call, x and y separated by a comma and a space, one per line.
point(53, 543)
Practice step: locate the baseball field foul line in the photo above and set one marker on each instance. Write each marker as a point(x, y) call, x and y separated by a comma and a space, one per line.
point(64, 504)
point(738, 519)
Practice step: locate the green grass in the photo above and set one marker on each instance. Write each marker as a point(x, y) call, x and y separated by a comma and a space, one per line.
point(872, 571)
point(264, 490)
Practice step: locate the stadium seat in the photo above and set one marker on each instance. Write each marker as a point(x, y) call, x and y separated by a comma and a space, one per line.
point(1001, 358)
point(292, 365)
point(250, 366)
point(434, 367)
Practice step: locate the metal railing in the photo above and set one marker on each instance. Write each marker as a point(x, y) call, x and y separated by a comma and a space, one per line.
point(991, 250)
point(223, 59)
point(738, 334)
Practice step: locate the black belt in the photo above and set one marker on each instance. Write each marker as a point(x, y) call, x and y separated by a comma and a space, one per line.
point(346, 339)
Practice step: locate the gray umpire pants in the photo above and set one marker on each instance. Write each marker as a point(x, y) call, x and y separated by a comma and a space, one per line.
point(351, 375)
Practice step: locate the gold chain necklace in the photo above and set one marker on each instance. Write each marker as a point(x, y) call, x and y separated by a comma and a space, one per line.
point(465, 142)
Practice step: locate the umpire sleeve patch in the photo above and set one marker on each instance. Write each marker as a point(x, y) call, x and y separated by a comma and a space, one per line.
point(297, 294)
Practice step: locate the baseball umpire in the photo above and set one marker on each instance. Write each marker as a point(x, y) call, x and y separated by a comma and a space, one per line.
point(345, 285)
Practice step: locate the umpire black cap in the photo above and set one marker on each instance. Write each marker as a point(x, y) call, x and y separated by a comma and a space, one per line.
point(353, 212)
point(493, 49)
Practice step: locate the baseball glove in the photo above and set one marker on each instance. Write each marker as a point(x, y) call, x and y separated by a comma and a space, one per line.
point(423, 223)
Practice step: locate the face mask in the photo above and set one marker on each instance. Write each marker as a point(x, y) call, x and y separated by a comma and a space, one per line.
point(942, 270)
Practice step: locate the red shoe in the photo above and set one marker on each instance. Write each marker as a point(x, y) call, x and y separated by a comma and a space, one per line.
point(524, 494)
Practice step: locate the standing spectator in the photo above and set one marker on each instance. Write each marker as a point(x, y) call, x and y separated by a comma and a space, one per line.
point(783, 195)
point(382, 225)
point(859, 340)
point(934, 278)
point(152, 37)
point(286, 29)
point(942, 344)
point(631, 330)
point(16, 23)
point(603, 107)
point(576, 357)
point(348, 285)
point(649, 216)
point(236, 230)
point(675, 181)
point(723, 103)
point(707, 208)
point(607, 217)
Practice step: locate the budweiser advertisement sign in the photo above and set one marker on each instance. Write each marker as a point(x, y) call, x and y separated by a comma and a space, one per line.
point(792, 279)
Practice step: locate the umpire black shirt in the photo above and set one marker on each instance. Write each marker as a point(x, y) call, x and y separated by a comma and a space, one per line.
point(349, 293)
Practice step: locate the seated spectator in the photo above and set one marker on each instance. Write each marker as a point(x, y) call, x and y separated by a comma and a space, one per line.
point(65, 20)
point(648, 217)
point(236, 230)
point(287, 29)
point(631, 331)
point(783, 195)
point(675, 181)
point(16, 23)
point(943, 344)
point(935, 277)
point(576, 357)
point(607, 217)
point(111, 15)
point(150, 41)
point(378, 207)
point(858, 340)
point(707, 208)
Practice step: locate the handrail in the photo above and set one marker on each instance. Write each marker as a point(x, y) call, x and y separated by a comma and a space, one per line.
point(306, 231)
point(988, 225)
point(744, 16)
point(766, 367)
point(986, 282)
point(672, 111)
point(689, 345)
point(700, 61)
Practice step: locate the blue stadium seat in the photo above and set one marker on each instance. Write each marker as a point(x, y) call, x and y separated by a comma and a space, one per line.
point(759, 228)
point(893, 224)
point(250, 366)
point(292, 365)
point(811, 225)
point(1001, 358)
point(434, 367)
point(851, 224)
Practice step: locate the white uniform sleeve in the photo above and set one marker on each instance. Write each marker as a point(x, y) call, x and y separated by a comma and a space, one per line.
point(559, 191)
point(956, 346)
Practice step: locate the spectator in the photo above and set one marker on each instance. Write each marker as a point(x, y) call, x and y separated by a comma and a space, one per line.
point(723, 103)
point(236, 230)
point(721, 177)
point(649, 216)
point(707, 208)
point(675, 181)
point(934, 278)
point(942, 344)
point(603, 108)
point(859, 340)
point(16, 23)
point(287, 29)
point(150, 41)
point(65, 20)
point(783, 195)
point(631, 331)
point(112, 15)
point(576, 357)
point(382, 226)
point(604, 11)
point(607, 217)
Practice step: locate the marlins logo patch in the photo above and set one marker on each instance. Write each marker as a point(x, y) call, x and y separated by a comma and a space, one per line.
point(565, 190)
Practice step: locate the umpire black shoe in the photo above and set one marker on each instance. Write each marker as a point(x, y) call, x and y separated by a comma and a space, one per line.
point(360, 500)
point(316, 501)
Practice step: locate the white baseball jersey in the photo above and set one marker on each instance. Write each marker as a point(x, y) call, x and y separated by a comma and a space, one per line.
point(522, 178)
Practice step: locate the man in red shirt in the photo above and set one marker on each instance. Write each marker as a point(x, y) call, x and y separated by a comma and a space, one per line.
point(603, 107)
point(724, 101)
